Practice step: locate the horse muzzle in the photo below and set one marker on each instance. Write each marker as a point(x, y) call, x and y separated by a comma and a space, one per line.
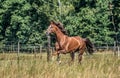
point(47, 33)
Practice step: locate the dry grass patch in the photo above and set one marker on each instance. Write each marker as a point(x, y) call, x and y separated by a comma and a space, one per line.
point(99, 65)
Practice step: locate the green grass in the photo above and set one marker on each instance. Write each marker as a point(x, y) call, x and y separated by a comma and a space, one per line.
point(99, 65)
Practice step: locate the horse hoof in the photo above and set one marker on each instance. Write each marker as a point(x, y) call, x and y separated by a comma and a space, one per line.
point(59, 62)
point(54, 54)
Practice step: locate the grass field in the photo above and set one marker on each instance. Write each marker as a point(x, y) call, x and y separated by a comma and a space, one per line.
point(99, 65)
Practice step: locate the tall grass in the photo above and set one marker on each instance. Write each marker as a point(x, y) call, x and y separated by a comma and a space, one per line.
point(99, 65)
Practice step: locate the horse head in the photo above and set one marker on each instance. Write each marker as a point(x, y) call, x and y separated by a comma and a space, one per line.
point(52, 28)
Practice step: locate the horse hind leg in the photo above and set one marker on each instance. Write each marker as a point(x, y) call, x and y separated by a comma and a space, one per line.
point(80, 56)
point(72, 56)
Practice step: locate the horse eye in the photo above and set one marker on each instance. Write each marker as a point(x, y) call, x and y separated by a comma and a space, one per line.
point(50, 26)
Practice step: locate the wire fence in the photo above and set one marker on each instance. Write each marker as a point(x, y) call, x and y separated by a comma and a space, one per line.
point(23, 48)
point(16, 47)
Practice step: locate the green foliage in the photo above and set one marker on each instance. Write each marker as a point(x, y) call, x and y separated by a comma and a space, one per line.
point(27, 20)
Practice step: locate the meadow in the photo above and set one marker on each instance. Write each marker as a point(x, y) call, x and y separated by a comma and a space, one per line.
point(98, 65)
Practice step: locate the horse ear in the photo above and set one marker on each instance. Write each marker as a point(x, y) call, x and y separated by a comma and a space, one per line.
point(58, 23)
point(52, 22)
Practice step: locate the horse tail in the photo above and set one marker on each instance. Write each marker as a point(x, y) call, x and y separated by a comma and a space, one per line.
point(89, 45)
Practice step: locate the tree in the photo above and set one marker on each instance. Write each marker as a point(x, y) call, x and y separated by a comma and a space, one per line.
point(27, 20)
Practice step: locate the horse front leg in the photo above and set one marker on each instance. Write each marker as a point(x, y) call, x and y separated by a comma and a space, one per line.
point(62, 51)
point(55, 53)
point(58, 57)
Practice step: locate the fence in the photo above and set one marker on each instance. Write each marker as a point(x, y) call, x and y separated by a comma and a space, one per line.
point(27, 48)
point(115, 48)
point(40, 48)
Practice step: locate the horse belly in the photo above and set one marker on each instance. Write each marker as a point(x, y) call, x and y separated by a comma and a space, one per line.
point(73, 46)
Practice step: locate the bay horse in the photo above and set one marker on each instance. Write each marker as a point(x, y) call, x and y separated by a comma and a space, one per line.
point(68, 44)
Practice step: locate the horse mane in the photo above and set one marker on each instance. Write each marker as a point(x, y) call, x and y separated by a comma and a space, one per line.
point(61, 27)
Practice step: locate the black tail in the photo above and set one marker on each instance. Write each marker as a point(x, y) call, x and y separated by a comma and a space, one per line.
point(89, 45)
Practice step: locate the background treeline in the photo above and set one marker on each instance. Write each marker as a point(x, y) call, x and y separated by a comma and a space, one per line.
point(27, 20)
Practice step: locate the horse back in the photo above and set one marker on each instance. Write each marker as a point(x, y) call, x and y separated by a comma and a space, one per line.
point(75, 42)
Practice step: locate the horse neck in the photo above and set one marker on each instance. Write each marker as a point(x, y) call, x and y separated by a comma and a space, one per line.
point(59, 35)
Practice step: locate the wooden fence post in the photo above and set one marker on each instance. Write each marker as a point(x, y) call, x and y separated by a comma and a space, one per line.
point(34, 51)
point(118, 51)
point(18, 49)
point(40, 51)
point(48, 47)
point(11, 47)
point(115, 48)
point(18, 59)
point(107, 46)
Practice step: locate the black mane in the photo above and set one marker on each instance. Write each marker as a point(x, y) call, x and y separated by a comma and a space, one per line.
point(61, 27)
